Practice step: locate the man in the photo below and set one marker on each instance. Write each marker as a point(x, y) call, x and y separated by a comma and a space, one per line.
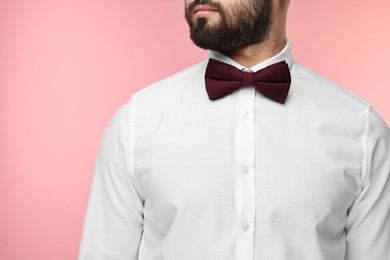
point(247, 155)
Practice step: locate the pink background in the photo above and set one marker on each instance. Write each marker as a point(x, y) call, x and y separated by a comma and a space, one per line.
point(66, 66)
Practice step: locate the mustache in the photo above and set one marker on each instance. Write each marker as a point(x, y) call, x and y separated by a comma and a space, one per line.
point(211, 3)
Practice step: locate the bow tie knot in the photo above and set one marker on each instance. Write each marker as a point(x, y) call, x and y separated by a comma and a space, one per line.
point(272, 82)
point(248, 78)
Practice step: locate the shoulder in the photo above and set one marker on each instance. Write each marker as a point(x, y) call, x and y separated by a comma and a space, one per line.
point(327, 90)
point(153, 96)
point(169, 85)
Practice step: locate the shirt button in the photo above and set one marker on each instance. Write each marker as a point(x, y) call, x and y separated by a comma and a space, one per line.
point(245, 170)
point(245, 227)
point(245, 115)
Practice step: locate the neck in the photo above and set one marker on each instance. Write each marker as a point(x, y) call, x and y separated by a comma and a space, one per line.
point(253, 54)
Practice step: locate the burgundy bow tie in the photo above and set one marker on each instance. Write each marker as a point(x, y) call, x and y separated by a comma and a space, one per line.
point(222, 79)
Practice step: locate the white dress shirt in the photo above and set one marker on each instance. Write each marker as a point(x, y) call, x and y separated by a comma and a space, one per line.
point(181, 177)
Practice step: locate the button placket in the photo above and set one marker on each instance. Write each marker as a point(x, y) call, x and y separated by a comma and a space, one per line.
point(245, 182)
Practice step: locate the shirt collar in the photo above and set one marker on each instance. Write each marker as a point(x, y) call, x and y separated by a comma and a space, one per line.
point(285, 54)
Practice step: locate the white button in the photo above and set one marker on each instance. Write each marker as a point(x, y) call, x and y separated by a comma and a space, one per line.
point(245, 227)
point(245, 115)
point(245, 169)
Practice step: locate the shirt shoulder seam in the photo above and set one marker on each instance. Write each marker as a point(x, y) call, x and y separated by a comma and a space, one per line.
point(131, 135)
point(130, 158)
point(364, 178)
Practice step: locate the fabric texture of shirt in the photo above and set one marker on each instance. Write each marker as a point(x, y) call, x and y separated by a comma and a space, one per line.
point(181, 177)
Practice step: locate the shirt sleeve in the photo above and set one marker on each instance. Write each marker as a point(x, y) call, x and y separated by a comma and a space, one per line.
point(368, 222)
point(113, 223)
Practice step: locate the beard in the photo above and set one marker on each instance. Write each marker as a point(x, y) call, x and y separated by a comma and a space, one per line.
point(246, 23)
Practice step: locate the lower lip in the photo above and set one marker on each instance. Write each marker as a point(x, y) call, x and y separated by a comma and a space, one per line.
point(205, 13)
